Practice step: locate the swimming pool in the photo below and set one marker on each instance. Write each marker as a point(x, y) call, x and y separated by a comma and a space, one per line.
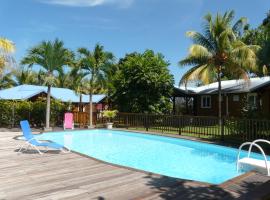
point(168, 156)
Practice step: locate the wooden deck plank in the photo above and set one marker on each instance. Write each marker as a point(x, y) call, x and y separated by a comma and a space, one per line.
point(58, 175)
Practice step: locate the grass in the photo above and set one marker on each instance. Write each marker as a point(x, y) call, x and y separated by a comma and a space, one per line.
point(197, 132)
point(232, 134)
point(201, 132)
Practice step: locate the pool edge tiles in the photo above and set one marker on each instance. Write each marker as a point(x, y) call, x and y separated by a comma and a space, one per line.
point(154, 153)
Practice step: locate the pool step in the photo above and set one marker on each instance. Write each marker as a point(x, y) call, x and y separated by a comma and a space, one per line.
point(254, 164)
point(262, 166)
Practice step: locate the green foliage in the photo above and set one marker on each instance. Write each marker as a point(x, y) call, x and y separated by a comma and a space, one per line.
point(23, 110)
point(235, 126)
point(260, 36)
point(143, 83)
point(12, 112)
point(109, 114)
point(58, 110)
point(91, 65)
point(5, 113)
point(219, 51)
point(249, 111)
point(52, 57)
point(6, 81)
point(38, 114)
point(25, 76)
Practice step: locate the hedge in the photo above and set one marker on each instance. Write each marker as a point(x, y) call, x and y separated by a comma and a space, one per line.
point(12, 112)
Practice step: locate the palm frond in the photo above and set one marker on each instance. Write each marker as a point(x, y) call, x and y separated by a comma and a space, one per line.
point(201, 40)
point(192, 74)
point(239, 25)
point(6, 45)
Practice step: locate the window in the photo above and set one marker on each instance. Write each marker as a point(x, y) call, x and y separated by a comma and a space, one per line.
point(252, 100)
point(206, 101)
point(235, 97)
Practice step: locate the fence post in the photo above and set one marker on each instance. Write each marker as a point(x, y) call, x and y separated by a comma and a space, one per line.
point(222, 129)
point(146, 122)
point(126, 121)
point(179, 125)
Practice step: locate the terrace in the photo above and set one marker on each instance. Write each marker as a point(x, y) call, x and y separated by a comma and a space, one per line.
point(53, 86)
point(57, 175)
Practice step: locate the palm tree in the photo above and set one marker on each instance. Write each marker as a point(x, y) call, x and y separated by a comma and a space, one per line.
point(6, 48)
point(219, 52)
point(78, 83)
point(51, 56)
point(92, 65)
point(260, 36)
point(25, 76)
point(110, 71)
point(63, 78)
point(7, 81)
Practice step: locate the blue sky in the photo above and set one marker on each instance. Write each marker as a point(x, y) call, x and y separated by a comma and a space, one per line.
point(122, 26)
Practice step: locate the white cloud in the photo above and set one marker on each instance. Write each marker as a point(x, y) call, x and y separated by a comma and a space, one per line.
point(88, 3)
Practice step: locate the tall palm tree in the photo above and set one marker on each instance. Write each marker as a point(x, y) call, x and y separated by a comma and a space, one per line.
point(219, 52)
point(110, 71)
point(6, 48)
point(51, 56)
point(92, 64)
point(78, 83)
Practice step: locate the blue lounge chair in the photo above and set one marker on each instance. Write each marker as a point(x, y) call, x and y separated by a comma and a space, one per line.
point(31, 141)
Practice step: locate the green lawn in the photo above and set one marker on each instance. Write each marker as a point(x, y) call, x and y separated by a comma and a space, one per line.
point(231, 134)
point(202, 132)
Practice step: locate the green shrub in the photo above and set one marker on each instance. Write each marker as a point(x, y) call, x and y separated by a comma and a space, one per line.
point(23, 110)
point(234, 126)
point(38, 114)
point(12, 112)
point(6, 109)
point(109, 114)
point(57, 112)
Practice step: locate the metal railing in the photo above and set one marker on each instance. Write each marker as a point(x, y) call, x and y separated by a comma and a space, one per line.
point(232, 129)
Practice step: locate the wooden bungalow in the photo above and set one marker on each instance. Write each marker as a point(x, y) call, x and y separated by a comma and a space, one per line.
point(33, 92)
point(236, 96)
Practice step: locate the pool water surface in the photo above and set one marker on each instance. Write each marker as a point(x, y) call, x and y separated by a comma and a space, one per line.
point(174, 157)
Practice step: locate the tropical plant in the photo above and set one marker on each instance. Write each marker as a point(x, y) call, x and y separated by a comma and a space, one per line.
point(12, 112)
point(6, 49)
point(51, 56)
point(143, 84)
point(91, 64)
point(63, 78)
point(7, 81)
point(110, 72)
point(260, 36)
point(25, 76)
point(109, 114)
point(78, 83)
point(218, 52)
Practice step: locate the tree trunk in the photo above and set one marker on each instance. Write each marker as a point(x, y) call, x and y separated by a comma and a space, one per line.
point(90, 111)
point(91, 101)
point(48, 107)
point(219, 101)
point(80, 106)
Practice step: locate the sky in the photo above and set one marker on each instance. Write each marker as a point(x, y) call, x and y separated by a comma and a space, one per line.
point(121, 26)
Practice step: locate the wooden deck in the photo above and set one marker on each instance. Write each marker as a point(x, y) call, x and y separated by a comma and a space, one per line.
point(57, 175)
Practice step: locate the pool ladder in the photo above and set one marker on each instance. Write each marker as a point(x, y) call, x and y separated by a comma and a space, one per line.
point(256, 163)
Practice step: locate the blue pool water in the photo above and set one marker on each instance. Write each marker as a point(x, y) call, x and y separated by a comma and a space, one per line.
point(173, 157)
